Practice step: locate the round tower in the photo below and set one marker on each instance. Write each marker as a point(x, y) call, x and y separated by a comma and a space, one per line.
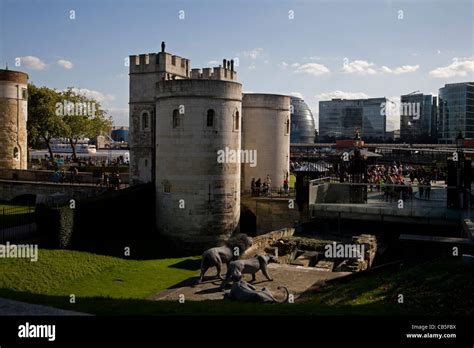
point(13, 117)
point(266, 129)
point(198, 191)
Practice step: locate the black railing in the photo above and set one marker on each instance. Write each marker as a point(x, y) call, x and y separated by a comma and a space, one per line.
point(16, 222)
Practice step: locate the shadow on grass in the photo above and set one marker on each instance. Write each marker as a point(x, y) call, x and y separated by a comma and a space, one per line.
point(188, 264)
point(136, 307)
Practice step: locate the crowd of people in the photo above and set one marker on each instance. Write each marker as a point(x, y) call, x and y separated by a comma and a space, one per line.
point(260, 188)
point(396, 181)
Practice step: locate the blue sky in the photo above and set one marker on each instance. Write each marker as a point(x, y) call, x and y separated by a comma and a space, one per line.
point(316, 49)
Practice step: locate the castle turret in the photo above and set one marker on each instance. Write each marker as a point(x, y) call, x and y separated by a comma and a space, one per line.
point(145, 71)
point(266, 129)
point(198, 196)
point(13, 118)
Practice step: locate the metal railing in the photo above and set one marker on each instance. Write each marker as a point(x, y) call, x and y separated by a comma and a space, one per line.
point(16, 223)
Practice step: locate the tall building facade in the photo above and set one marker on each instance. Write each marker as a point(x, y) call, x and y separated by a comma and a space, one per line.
point(338, 118)
point(302, 122)
point(418, 118)
point(455, 111)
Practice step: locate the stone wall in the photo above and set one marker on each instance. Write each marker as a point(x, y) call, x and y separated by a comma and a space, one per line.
point(272, 213)
point(47, 176)
point(10, 189)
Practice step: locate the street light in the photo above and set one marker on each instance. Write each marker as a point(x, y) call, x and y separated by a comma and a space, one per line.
point(459, 142)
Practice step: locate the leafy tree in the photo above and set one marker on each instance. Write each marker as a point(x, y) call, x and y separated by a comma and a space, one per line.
point(43, 123)
point(83, 118)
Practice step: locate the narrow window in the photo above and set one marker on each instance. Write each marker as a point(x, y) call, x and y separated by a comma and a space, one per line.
point(166, 186)
point(24, 93)
point(145, 120)
point(176, 120)
point(210, 118)
point(287, 126)
point(16, 154)
point(237, 121)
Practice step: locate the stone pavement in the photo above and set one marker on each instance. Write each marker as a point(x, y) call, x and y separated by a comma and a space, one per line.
point(17, 308)
point(296, 278)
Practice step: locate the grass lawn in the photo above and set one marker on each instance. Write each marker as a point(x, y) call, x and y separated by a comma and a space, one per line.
point(107, 285)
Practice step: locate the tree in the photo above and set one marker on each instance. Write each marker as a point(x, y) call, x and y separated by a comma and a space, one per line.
point(43, 123)
point(83, 118)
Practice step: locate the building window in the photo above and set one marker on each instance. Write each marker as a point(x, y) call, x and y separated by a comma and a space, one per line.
point(287, 126)
point(24, 93)
point(210, 118)
point(146, 163)
point(237, 121)
point(16, 154)
point(176, 119)
point(166, 186)
point(145, 120)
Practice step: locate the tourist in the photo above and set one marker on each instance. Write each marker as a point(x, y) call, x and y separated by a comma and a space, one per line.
point(268, 183)
point(285, 185)
point(258, 183)
point(253, 187)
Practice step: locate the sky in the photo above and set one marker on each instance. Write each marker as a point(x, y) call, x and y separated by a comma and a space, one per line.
point(317, 50)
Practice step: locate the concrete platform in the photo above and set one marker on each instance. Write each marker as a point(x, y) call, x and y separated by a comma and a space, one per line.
point(296, 278)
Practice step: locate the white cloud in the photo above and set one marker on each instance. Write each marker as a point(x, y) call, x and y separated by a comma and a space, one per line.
point(312, 69)
point(253, 54)
point(295, 65)
point(341, 95)
point(400, 70)
point(212, 63)
point(66, 64)
point(459, 67)
point(283, 65)
point(252, 67)
point(98, 96)
point(361, 67)
point(32, 62)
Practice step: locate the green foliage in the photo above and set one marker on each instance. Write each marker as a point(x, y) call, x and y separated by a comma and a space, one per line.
point(56, 224)
point(63, 114)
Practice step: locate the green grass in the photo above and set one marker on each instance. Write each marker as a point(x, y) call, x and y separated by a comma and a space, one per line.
point(106, 285)
point(14, 215)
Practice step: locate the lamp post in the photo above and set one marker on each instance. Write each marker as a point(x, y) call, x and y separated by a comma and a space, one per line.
point(460, 170)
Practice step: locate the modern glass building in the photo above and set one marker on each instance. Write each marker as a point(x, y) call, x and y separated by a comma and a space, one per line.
point(455, 111)
point(339, 118)
point(302, 123)
point(418, 118)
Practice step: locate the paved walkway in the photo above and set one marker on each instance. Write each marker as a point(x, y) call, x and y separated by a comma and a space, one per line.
point(296, 278)
point(17, 308)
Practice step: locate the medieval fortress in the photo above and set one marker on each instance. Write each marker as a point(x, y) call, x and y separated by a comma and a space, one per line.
point(182, 121)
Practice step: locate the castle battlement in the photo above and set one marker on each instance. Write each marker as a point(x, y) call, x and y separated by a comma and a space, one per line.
point(216, 73)
point(166, 65)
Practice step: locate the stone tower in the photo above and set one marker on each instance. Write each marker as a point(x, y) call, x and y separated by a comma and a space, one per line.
point(266, 128)
point(13, 118)
point(198, 198)
point(145, 71)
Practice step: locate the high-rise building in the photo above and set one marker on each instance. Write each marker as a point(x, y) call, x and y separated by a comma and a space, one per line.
point(456, 111)
point(302, 122)
point(418, 118)
point(339, 118)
